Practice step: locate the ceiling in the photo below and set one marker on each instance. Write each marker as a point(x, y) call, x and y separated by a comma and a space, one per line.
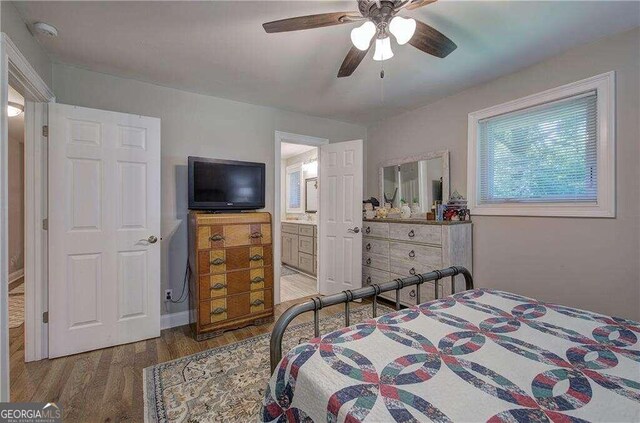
point(219, 48)
point(289, 150)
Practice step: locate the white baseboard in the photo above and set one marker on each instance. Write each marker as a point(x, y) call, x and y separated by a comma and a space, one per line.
point(16, 275)
point(173, 320)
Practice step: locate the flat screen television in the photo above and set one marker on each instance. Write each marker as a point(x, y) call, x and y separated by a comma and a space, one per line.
point(225, 184)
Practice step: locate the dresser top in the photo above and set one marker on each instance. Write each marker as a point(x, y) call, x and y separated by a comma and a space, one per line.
point(420, 221)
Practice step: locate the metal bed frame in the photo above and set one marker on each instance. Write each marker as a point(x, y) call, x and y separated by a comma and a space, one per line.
point(317, 303)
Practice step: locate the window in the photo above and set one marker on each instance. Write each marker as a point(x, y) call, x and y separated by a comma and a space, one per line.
point(551, 154)
point(294, 188)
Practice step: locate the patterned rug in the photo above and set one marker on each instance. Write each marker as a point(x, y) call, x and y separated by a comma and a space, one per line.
point(226, 384)
point(16, 306)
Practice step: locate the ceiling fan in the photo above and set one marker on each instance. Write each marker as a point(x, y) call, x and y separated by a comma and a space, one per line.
point(380, 19)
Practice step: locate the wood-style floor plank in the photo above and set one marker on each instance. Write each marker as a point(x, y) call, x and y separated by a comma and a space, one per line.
point(107, 385)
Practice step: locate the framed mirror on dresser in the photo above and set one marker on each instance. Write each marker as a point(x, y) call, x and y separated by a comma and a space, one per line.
point(397, 248)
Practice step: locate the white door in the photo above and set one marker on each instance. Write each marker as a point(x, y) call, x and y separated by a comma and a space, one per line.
point(340, 214)
point(104, 229)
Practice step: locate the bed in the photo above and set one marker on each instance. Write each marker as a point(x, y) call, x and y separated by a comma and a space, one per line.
point(478, 355)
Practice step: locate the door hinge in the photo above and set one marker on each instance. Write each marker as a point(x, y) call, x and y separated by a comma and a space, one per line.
point(45, 317)
point(45, 224)
point(45, 130)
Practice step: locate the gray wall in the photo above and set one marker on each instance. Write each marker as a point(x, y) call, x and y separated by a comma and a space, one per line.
point(195, 125)
point(13, 25)
point(586, 263)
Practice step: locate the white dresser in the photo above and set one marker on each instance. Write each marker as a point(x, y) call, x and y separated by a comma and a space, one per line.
point(399, 248)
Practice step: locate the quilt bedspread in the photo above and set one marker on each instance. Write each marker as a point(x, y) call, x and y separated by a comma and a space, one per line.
point(480, 355)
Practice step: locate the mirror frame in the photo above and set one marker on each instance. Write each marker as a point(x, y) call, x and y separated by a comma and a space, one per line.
point(306, 192)
point(443, 154)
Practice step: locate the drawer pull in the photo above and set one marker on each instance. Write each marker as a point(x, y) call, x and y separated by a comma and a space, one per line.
point(368, 246)
point(412, 294)
point(369, 260)
point(216, 237)
point(219, 310)
point(217, 262)
point(257, 302)
point(256, 235)
point(411, 233)
point(412, 254)
point(257, 279)
point(368, 230)
point(219, 286)
point(369, 280)
point(255, 257)
point(412, 271)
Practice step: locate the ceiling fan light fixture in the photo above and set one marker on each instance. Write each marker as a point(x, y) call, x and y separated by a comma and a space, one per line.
point(383, 49)
point(14, 109)
point(402, 28)
point(362, 35)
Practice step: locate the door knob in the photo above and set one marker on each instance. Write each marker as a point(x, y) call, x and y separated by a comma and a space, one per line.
point(354, 230)
point(152, 239)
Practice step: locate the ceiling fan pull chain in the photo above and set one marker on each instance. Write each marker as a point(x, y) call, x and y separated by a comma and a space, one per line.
point(381, 82)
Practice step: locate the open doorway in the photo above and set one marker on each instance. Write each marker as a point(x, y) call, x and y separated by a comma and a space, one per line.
point(298, 215)
point(16, 215)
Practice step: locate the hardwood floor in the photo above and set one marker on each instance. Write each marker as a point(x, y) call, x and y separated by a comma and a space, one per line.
point(297, 286)
point(106, 385)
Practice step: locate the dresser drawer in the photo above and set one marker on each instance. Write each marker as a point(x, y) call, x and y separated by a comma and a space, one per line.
point(306, 262)
point(223, 236)
point(290, 228)
point(306, 230)
point(430, 234)
point(220, 285)
point(408, 294)
point(221, 261)
point(420, 254)
point(379, 229)
point(370, 275)
point(375, 246)
point(406, 268)
point(305, 244)
point(219, 310)
point(375, 261)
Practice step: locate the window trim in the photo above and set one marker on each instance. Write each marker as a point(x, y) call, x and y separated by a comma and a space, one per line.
point(289, 170)
point(604, 85)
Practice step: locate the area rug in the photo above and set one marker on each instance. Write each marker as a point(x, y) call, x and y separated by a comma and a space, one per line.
point(226, 384)
point(16, 306)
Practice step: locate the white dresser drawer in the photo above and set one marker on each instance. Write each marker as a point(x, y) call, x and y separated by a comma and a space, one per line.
point(406, 268)
point(408, 294)
point(375, 246)
point(379, 229)
point(376, 261)
point(430, 234)
point(419, 254)
point(370, 275)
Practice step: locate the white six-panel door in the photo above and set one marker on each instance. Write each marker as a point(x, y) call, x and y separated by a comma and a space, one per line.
point(104, 213)
point(340, 214)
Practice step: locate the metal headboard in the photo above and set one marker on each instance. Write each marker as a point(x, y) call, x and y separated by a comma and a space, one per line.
point(373, 290)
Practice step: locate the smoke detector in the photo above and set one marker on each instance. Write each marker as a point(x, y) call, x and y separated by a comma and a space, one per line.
point(45, 29)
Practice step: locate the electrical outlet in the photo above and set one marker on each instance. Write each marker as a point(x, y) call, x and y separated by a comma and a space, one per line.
point(168, 294)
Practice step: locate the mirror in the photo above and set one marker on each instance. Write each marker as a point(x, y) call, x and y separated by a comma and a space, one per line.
point(311, 195)
point(420, 181)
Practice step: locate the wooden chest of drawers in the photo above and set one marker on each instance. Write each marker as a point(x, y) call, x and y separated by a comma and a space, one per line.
point(397, 249)
point(231, 282)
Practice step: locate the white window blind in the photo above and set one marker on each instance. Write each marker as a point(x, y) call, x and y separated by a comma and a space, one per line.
point(541, 154)
point(294, 200)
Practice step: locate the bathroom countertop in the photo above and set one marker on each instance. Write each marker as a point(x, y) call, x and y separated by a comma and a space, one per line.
point(301, 222)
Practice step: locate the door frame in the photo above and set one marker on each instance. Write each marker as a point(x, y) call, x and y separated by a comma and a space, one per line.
point(281, 137)
point(15, 69)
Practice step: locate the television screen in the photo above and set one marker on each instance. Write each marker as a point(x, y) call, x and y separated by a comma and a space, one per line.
point(225, 184)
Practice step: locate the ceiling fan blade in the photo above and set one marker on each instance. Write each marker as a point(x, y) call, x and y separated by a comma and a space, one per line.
point(418, 3)
point(351, 62)
point(431, 41)
point(312, 21)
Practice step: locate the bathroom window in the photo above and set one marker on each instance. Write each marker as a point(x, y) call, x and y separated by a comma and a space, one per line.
point(294, 189)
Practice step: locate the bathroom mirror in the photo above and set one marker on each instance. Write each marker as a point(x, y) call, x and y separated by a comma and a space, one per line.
point(311, 195)
point(418, 180)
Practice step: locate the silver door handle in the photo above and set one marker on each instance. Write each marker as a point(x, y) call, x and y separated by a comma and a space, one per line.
point(354, 230)
point(152, 239)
